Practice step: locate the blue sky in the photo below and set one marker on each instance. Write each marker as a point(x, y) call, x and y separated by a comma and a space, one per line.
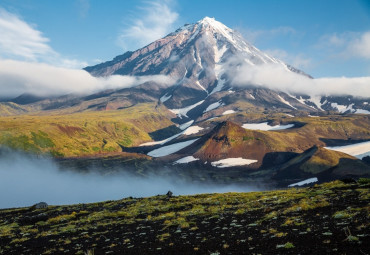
point(324, 38)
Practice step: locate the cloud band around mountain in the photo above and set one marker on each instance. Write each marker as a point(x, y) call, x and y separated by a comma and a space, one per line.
point(17, 77)
point(278, 78)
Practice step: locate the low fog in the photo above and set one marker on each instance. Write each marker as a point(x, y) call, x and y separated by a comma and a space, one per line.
point(277, 77)
point(18, 77)
point(26, 180)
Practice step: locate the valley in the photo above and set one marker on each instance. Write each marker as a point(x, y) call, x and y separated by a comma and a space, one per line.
point(256, 155)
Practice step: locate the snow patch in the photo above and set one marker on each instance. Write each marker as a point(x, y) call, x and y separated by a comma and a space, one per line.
point(200, 86)
point(185, 160)
point(219, 27)
point(229, 162)
point(342, 108)
point(218, 72)
point(286, 102)
point(219, 53)
point(310, 180)
point(317, 101)
point(228, 112)
point(358, 150)
point(186, 125)
point(162, 141)
point(164, 98)
point(170, 149)
point(213, 106)
point(188, 131)
point(265, 126)
point(220, 85)
point(184, 111)
point(192, 130)
point(361, 111)
point(289, 115)
point(301, 100)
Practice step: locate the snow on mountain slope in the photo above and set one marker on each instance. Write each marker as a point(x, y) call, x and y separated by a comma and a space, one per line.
point(199, 57)
point(195, 55)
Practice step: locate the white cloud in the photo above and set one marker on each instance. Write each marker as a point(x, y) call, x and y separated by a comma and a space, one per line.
point(156, 20)
point(277, 77)
point(84, 7)
point(17, 77)
point(21, 41)
point(347, 44)
point(361, 46)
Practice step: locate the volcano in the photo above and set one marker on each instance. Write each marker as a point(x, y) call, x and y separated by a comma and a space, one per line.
point(201, 59)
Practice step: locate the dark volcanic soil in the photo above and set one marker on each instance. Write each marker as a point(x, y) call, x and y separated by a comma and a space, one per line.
point(330, 218)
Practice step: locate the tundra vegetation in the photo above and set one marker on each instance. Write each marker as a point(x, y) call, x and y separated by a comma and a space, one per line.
point(330, 218)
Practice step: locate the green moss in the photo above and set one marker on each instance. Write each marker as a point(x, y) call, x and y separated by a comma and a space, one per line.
point(57, 154)
point(364, 180)
point(288, 245)
point(21, 142)
point(42, 140)
point(126, 141)
point(247, 138)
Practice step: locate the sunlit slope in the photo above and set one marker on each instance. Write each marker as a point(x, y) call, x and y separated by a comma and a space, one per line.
point(10, 108)
point(85, 133)
point(230, 140)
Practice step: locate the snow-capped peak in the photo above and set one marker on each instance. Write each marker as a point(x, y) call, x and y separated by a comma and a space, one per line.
point(207, 21)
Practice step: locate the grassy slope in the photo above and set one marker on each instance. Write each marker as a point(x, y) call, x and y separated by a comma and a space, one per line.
point(331, 218)
point(98, 132)
point(312, 132)
point(10, 108)
point(83, 133)
point(231, 140)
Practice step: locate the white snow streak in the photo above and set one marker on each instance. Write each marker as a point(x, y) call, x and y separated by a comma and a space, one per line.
point(317, 101)
point(185, 160)
point(286, 102)
point(228, 112)
point(186, 125)
point(170, 149)
point(200, 86)
point(162, 141)
point(265, 126)
point(184, 111)
point(164, 98)
point(342, 108)
point(213, 106)
point(310, 180)
point(361, 111)
point(192, 130)
point(358, 150)
point(229, 162)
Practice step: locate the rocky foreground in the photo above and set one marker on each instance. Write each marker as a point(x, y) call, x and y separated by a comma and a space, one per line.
point(331, 218)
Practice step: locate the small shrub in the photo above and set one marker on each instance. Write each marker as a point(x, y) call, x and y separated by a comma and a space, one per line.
point(287, 245)
point(364, 180)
